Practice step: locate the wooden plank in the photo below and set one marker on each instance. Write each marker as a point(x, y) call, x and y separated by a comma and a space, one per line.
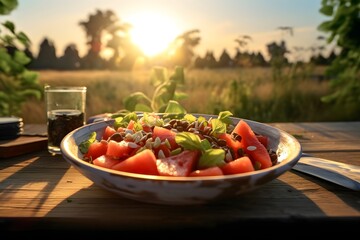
point(325, 136)
point(41, 191)
point(51, 184)
point(22, 145)
point(323, 127)
point(290, 193)
point(32, 139)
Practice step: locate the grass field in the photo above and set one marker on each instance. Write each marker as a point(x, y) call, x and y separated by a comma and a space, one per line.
point(249, 93)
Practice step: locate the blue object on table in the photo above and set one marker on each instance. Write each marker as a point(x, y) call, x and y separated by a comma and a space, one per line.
point(10, 127)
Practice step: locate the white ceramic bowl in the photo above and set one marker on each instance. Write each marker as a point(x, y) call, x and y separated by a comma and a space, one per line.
point(182, 190)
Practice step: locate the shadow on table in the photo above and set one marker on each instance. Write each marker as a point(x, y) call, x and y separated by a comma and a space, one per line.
point(29, 175)
point(338, 190)
point(266, 212)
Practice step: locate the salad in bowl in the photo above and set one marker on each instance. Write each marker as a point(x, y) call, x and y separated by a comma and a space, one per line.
point(180, 158)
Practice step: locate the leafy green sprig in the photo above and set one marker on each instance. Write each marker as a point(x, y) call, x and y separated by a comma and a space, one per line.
point(165, 97)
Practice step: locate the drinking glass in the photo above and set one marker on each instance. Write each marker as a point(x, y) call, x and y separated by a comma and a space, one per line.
point(65, 111)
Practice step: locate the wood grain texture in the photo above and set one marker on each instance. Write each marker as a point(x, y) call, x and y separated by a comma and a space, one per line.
point(40, 191)
point(33, 139)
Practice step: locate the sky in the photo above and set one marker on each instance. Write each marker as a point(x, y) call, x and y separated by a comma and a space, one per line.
point(219, 22)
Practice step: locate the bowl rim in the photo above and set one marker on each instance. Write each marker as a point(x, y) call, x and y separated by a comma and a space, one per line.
point(71, 158)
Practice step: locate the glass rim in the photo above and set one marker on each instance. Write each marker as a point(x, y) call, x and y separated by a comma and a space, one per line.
point(49, 88)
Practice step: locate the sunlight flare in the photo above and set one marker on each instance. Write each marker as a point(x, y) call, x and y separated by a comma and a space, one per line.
point(153, 32)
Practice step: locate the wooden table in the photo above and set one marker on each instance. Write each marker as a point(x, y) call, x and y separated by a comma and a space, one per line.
point(42, 192)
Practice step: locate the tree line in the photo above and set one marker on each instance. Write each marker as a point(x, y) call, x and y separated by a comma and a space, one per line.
point(125, 53)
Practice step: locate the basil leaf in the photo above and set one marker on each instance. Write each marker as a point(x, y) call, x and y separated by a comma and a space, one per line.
point(84, 145)
point(131, 116)
point(189, 141)
point(225, 117)
point(212, 158)
point(218, 127)
point(205, 144)
point(119, 122)
point(189, 118)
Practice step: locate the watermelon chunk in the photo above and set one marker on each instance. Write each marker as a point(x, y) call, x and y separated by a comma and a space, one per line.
point(240, 165)
point(179, 165)
point(143, 162)
point(252, 146)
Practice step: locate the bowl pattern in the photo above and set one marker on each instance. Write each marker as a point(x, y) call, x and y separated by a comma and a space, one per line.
point(182, 190)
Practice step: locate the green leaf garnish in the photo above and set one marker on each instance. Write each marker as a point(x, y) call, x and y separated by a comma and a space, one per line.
point(205, 144)
point(218, 127)
point(84, 145)
point(124, 121)
point(212, 157)
point(189, 118)
point(138, 126)
point(131, 116)
point(119, 122)
point(202, 120)
point(225, 117)
point(188, 140)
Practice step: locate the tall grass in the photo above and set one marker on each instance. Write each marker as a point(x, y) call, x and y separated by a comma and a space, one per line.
point(249, 93)
point(252, 94)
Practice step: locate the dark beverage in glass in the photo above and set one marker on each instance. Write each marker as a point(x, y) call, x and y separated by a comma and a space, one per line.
point(60, 123)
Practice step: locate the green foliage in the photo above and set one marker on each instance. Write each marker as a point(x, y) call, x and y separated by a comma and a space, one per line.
point(6, 6)
point(17, 83)
point(165, 97)
point(344, 28)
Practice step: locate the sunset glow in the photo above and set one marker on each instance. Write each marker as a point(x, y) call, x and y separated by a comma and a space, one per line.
point(153, 32)
point(156, 23)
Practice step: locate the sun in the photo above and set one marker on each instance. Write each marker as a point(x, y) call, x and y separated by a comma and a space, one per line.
point(152, 32)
